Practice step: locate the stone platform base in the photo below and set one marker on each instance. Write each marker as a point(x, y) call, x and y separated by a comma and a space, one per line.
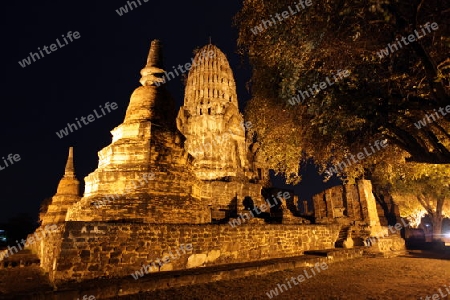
point(391, 246)
point(111, 288)
point(85, 250)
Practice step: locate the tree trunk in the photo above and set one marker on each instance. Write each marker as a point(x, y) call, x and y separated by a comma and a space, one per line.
point(436, 219)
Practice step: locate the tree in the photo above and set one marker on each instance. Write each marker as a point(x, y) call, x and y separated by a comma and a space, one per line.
point(419, 189)
point(410, 208)
point(383, 96)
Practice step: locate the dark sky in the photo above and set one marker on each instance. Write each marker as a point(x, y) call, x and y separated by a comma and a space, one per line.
point(102, 65)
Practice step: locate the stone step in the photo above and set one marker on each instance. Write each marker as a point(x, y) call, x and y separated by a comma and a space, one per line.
point(23, 258)
point(338, 253)
point(343, 233)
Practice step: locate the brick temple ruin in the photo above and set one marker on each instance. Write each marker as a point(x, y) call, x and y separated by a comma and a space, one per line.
point(202, 170)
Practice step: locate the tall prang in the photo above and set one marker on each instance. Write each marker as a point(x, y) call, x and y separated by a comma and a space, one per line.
point(210, 118)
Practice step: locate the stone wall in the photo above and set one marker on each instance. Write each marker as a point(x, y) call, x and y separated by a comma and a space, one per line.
point(347, 204)
point(48, 248)
point(223, 194)
point(91, 250)
point(143, 208)
point(169, 198)
point(388, 246)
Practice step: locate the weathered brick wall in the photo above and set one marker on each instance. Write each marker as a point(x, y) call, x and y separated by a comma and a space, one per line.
point(48, 248)
point(145, 208)
point(221, 193)
point(356, 200)
point(353, 202)
point(166, 199)
point(90, 250)
point(335, 196)
point(320, 207)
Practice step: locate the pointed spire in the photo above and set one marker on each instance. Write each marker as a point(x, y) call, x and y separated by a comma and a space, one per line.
point(68, 185)
point(70, 170)
point(153, 70)
point(155, 57)
point(67, 194)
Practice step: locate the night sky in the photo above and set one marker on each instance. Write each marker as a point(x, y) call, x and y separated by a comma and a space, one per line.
point(102, 65)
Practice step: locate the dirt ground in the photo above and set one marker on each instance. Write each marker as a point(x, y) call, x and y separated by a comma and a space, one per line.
point(409, 277)
point(412, 276)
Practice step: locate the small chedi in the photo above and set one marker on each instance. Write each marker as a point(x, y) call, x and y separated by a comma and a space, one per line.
point(178, 180)
point(66, 196)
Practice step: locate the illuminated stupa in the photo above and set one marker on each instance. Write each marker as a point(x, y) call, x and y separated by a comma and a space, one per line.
point(144, 174)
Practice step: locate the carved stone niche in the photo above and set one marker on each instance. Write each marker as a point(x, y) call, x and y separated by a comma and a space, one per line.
point(338, 212)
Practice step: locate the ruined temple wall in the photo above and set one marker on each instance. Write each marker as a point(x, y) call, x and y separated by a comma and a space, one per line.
point(90, 250)
point(320, 207)
point(351, 202)
point(369, 207)
point(48, 247)
point(146, 208)
point(164, 198)
point(221, 194)
point(335, 199)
